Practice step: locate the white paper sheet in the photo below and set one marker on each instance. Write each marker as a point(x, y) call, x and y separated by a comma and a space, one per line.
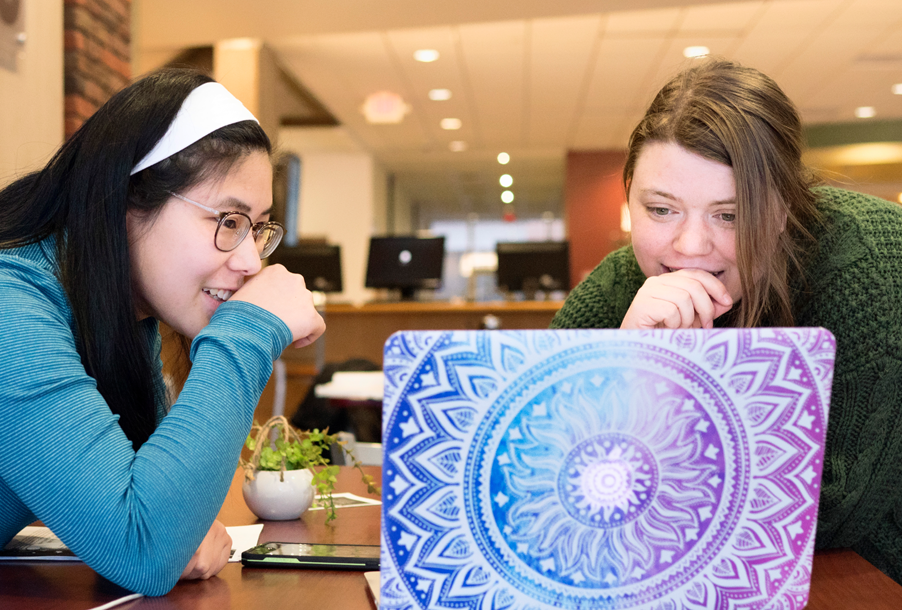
point(243, 537)
point(40, 544)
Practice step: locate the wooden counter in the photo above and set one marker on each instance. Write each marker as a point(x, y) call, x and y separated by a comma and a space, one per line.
point(360, 331)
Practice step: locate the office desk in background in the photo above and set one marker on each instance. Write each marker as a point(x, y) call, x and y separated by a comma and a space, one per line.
point(842, 580)
point(360, 331)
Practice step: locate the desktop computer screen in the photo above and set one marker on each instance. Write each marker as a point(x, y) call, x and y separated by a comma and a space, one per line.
point(532, 266)
point(319, 263)
point(405, 263)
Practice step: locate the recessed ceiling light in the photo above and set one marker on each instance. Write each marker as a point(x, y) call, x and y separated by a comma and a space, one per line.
point(897, 88)
point(865, 112)
point(457, 146)
point(506, 180)
point(439, 95)
point(899, 198)
point(503, 158)
point(425, 55)
point(696, 51)
point(507, 197)
point(451, 123)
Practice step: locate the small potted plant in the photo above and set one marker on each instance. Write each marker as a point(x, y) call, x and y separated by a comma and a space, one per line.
point(283, 475)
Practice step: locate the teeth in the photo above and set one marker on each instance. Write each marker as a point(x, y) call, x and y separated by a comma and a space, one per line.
point(219, 295)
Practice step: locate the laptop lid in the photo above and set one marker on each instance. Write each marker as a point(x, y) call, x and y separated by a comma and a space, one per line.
point(602, 468)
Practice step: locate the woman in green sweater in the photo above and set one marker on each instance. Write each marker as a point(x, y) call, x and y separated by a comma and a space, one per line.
point(729, 229)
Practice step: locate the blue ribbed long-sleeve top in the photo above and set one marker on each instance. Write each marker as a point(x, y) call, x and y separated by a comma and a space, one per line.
point(134, 517)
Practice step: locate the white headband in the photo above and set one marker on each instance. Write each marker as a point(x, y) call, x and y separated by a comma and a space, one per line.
point(205, 110)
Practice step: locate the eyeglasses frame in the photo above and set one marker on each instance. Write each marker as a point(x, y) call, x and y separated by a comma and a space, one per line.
point(255, 227)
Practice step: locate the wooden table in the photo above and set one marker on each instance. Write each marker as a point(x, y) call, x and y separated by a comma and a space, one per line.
point(841, 579)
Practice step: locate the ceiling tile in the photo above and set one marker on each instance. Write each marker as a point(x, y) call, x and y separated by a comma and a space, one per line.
point(673, 61)
point(621, 69)
point(560, 56)
point(643, 22)
point(720, 17)
point(493, 63)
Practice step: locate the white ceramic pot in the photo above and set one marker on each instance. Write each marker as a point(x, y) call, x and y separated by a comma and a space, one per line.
point(275, 500)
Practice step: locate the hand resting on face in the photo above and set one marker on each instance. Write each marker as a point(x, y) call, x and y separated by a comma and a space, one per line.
point(284, 294)
point(688, 298)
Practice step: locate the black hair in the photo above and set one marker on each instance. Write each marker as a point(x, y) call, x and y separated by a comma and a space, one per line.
point(81, 198)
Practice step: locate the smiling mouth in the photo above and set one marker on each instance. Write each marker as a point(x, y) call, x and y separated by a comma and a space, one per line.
point(716, 274)
point(219, 294)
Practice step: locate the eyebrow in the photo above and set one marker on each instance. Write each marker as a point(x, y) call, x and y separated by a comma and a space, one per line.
point(667, 195)
point(239, 206)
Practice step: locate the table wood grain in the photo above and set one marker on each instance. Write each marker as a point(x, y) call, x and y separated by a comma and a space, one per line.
point(841, 579)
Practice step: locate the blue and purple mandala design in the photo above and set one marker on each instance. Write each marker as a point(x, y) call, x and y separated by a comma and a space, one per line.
point(579, 469)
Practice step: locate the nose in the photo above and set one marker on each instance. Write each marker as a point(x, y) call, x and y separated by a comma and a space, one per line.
point(693, 238)
point(246, 258)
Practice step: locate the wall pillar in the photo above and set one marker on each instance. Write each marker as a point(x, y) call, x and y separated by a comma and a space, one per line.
point(97, 55)
point(247, 68)
point(593, 198)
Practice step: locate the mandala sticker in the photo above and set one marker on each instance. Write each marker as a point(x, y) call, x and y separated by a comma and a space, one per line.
point(602, 469)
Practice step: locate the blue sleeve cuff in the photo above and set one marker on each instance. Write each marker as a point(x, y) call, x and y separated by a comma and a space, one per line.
point(247, 323)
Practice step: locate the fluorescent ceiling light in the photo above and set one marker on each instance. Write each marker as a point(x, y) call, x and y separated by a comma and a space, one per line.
point(897, 88)
point(865, 112)
point(698, 51)
point(457, 146)
point(451, 123)
point(439, 95)
point(425, 55)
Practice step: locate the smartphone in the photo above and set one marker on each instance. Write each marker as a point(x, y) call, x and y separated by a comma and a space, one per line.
point(313, 556)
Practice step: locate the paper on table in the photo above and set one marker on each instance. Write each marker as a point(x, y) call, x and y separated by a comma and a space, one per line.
point(373, 580)
point(346, 500)
point(244, 537)
point(39, 543)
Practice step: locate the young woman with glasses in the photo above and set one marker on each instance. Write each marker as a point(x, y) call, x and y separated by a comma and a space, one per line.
point(156, 210)
point(730, 229)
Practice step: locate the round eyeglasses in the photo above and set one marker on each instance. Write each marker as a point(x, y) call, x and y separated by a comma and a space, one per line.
point(233, 227)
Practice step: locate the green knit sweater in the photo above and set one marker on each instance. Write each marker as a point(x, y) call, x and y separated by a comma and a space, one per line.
point(855, 291)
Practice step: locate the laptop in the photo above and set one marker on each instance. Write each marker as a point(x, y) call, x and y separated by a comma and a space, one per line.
point(602, 468)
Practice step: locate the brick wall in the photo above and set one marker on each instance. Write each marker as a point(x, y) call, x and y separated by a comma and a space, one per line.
point(97, 56)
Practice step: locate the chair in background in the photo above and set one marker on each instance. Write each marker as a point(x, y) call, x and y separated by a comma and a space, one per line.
point(368, 454)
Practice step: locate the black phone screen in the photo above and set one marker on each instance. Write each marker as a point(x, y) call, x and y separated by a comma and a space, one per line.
point(361, 551)
point(315, 556)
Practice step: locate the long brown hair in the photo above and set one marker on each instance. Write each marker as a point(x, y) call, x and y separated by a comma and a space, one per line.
point(737, 116)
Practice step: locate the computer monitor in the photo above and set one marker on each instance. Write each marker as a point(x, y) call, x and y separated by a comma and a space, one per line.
point(319, 263)
point(405, 263)
point(529, 267)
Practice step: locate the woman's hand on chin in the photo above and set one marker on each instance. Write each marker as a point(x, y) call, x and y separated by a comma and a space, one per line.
point(285, 295)
point(688, 298)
